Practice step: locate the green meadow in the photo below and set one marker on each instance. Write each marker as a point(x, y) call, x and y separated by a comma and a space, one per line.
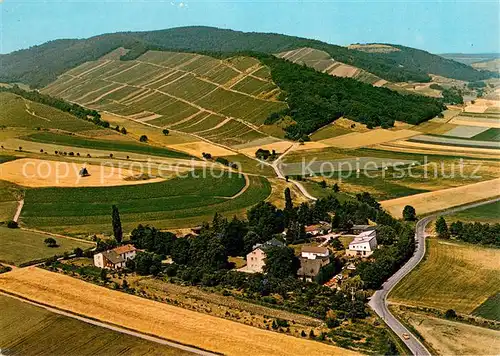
point(122, 146)
point(179, 202)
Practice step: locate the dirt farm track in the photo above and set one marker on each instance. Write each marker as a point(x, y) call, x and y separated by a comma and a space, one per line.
point(154, 318)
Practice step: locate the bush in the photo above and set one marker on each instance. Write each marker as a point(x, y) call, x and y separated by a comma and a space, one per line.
point(12, 224)
point(450, 314)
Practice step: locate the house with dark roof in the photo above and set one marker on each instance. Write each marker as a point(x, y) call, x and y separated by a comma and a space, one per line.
point(309, 268)
point(312, 258)
point(115, 258)
point(255, 259)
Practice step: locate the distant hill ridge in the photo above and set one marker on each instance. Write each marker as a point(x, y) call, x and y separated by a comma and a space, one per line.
point(40, 65)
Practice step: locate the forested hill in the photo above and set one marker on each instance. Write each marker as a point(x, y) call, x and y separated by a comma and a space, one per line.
point(39, 65)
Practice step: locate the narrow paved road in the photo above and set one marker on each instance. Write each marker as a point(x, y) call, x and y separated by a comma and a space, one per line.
point(277, 168)
point(378, 301)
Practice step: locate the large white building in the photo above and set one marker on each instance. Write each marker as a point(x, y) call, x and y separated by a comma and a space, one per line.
point(115, 258)
point(363, 244)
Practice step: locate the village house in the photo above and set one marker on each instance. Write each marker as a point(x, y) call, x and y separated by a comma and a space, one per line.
point(358, 229)
point(312, 258)
point(115, 258)
point(363, 245)
point(313, 252)
point(255, 259)
point(318, 229)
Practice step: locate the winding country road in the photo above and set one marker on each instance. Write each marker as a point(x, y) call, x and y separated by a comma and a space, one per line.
point(378, 302)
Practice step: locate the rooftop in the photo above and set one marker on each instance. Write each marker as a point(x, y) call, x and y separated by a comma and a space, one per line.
point(314, 249)
point(364, 237)
point(113, 257)
point(124, 249)
point(271, 243)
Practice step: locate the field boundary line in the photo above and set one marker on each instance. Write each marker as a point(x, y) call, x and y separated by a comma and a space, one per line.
point(110, 326)
point(57, 235)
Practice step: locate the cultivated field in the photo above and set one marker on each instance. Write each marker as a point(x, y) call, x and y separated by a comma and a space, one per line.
point(454, 275)
point(369, 138)
point(16, 111)
point(215, 99)
point(36, 173)
point(30, 330)
point(126, 145)
point(322, 62)
point(489, 213)
point(175, 203)
point(21, 246)
point(155, 318)
point(436, 149)
point(448, 337)
point(9, 196)
point(460, 142)
point(443, 199)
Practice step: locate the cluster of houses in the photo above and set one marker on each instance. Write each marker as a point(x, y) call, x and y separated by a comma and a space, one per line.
point(312, 258)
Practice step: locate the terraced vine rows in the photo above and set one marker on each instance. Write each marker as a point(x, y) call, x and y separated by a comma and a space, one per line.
point(222, 100)
point(322, 62)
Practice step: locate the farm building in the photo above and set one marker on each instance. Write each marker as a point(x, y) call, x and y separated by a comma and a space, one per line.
point(115, 258)
point(363, 245)
point(358, 229)
point(311, 260)
point(318, 229)
point(255, 259)
point(313, 252)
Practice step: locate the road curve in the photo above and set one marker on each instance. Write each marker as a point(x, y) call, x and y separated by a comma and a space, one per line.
point(378, 302)
point(276, 165)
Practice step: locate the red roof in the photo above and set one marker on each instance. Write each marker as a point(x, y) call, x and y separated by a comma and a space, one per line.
point(120, 250)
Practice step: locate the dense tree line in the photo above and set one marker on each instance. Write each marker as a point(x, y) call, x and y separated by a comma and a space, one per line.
point(475, 233)
point(452, 96)
point(316, 99)
point(60, 104)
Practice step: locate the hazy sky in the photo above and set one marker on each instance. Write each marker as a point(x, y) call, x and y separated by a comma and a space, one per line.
point(436, 26)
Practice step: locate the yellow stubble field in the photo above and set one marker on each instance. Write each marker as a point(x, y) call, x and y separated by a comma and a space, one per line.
point(159, 319)
point(443, 199)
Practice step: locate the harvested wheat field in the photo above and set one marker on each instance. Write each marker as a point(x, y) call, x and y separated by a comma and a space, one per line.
point(279, 147)
point(159, 319)
point(443, 199)
point(476, 121)
point(198, 147)
point(310, 145)
point(30, 172)
point(369, 138)
point(481, 105)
